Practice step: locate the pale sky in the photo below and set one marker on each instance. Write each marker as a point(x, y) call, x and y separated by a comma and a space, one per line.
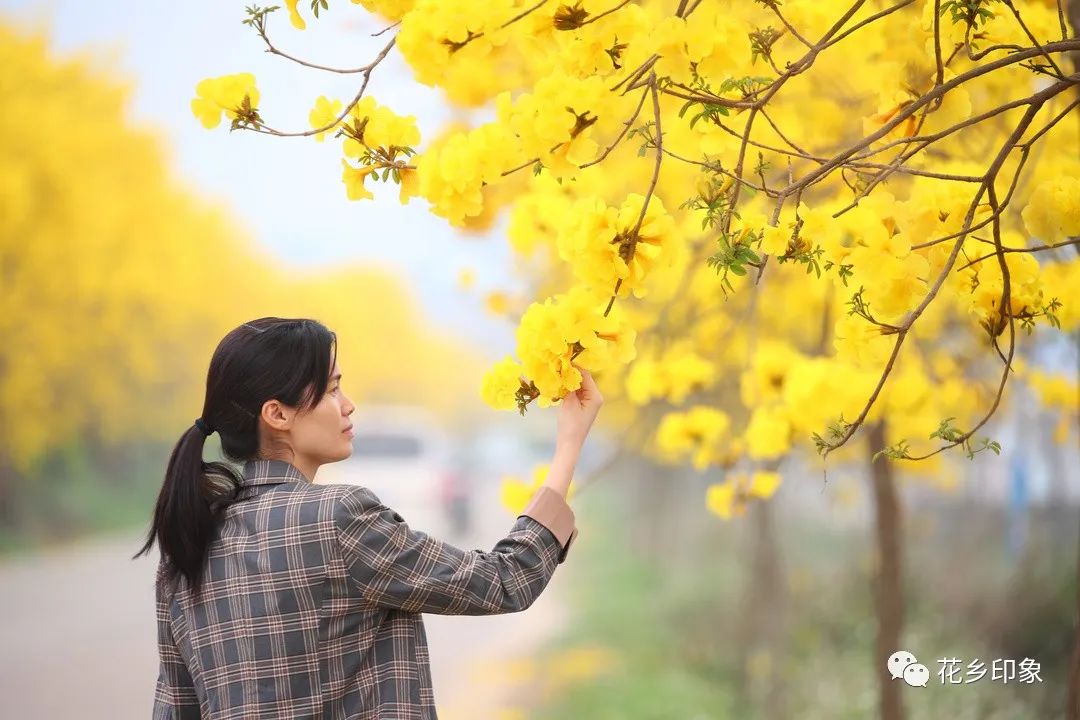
point(286, 191)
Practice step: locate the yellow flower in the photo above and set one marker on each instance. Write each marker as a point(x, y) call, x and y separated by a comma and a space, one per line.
point(769, 433)
point(224, 94)
point(1053, 211)
point(763, 484)
point(354, 180)
point(720, 500)
point(729, 498)
point(501, 383)
point(515, 493)
point(294, 15)
point(569, 156)
point(548, 332)
point(598, 240)
point(466, 278)
point(410, 184)
point(701, 432)
point(497, 302)
point(324, 113)
point(775, 240)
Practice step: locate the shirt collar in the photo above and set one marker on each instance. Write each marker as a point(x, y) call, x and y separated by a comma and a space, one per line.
point(271, 472)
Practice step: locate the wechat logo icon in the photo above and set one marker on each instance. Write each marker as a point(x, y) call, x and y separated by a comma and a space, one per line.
point(903, 665)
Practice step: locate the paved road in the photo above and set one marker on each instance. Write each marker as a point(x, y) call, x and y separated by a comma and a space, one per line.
point(78, 635)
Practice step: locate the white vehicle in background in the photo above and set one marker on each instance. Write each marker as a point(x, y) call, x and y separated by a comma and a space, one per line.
point(406, 456)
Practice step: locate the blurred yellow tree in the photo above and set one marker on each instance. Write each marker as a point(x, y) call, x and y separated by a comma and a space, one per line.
point(114, 276)
point(117, 282)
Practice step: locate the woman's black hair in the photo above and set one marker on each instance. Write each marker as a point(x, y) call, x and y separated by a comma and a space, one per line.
point(271, 358)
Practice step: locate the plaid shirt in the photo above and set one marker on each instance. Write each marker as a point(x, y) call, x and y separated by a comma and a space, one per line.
point(312, 600)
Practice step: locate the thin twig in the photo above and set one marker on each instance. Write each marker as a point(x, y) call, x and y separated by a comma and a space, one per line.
point(622, 134)
point(348, 108)
point(906, 324)
point(652, 182)
point(1037, 248)
point(620, 6)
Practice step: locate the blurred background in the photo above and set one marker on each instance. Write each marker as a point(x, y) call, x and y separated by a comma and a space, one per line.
point(131, 240)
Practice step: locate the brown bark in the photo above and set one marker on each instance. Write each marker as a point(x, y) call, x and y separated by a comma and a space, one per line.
point(770, 573)
point(889, 598)
point(8, 485)
point(761, 627)
point(1072, 702)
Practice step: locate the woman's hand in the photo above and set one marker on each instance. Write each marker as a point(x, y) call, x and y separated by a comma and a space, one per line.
point(578, 411)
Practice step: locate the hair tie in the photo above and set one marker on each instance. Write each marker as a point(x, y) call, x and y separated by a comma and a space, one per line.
point(203, 427)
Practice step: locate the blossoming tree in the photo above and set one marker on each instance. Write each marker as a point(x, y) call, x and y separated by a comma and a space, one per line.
point(766, 227)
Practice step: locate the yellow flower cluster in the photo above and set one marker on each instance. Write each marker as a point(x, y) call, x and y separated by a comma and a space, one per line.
point(382, 128)
point(714, 40)
point(701, 434)
point(588, 51)
point(985, 285)
point(378, 139)
point(730, 498)
point(446, 42)
point(1053, 211)
point(600, 244)
point(390, 9)
point(225, 94)
point(324, 115)
point(550, 332)
point(676, 373)
point(1061, 280)
point(768, 434)
point(451, 174)
point(847, 271)
point(538, 215)
point(500, 384)
point(555, 122)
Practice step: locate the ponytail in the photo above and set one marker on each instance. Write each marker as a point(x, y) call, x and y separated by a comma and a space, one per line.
point(188, 508)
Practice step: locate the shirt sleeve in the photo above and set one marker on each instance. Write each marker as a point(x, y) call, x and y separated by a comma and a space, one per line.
point(392, 565)
point(174, 695)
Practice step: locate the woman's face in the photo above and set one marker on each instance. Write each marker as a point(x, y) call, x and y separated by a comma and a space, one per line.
point(323, 434)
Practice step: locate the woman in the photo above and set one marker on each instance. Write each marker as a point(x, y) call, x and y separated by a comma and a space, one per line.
point(280, 598)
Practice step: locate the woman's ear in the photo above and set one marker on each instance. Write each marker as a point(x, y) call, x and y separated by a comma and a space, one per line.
point(276, 415)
